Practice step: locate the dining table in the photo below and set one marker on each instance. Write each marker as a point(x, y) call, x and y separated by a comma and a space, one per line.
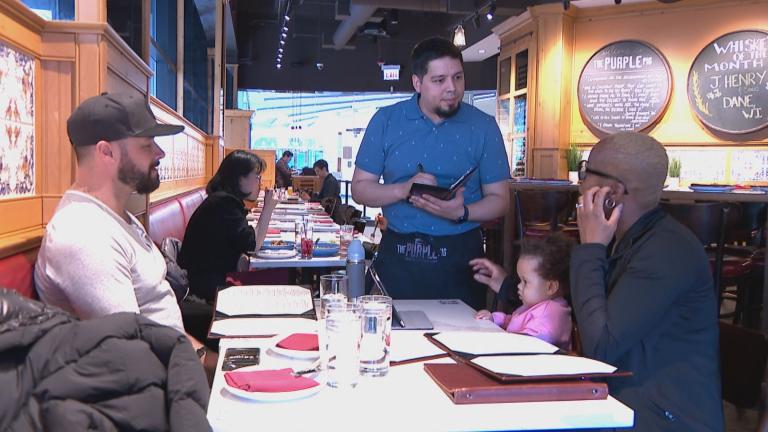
point(406, 398)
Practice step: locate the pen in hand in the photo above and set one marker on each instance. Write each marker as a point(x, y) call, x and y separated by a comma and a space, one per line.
point(396, 317)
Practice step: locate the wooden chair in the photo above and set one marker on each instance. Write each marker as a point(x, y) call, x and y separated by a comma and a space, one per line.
point(541, 212)
point(308, 184)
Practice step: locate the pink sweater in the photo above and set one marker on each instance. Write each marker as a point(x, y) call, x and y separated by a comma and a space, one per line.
point(549, 321)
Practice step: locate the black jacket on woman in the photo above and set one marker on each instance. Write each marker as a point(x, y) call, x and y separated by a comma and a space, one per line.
point(216, 236)
point(118, 372)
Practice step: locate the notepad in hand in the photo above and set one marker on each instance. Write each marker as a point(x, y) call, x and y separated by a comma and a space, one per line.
point(419, 189)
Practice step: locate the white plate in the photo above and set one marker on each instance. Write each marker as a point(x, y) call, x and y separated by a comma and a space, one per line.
point(297, 354)
point(276, 396)
point(276, 254)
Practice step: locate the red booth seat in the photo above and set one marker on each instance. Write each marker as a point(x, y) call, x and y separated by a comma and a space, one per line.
point(170, 218)
point(17, 270)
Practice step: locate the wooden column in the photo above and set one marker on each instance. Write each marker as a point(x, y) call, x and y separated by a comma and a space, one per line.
point(554, 28)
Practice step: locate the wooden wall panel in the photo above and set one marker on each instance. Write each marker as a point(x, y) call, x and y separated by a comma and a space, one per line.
point(56, 154)
point(546, 162)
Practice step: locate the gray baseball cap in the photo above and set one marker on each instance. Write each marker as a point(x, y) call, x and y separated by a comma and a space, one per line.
point(114, 116)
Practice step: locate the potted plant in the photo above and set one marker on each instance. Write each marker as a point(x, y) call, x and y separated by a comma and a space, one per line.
point(572, 158)
point(673, 173)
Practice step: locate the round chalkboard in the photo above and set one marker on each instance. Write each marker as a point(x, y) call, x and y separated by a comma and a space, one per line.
point(625, 86)
point(728, 82)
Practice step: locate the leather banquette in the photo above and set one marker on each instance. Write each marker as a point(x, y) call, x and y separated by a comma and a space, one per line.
point(166, 219)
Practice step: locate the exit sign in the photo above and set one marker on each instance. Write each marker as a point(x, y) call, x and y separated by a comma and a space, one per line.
point(391, 72)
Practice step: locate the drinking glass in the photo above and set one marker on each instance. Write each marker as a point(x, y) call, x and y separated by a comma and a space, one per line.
point(333, 290)
point(343, 332)
point(376, 316)
point(307, 243)
point(345, 238)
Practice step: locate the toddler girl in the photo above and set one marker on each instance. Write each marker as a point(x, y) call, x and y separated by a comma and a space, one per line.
point(543, 271)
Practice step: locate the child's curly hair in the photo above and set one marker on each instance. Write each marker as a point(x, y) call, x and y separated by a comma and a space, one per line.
point(554, 253)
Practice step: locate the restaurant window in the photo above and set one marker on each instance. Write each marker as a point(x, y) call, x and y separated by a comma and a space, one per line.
point(512, 109)
point(162, 51)
point(197, 86)
point(124, 16)
point(63, 10)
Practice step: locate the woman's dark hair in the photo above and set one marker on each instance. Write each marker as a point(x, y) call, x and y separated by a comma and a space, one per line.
point(236, 165)
point(554, 254)
point(307, 171)
point(432, 49)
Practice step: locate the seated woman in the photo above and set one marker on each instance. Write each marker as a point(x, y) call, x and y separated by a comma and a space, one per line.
point(218, 233)
point(543, 271)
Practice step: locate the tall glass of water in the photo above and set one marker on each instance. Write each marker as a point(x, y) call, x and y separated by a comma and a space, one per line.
point(333, 289)
point(376, 317)
point(342, 338)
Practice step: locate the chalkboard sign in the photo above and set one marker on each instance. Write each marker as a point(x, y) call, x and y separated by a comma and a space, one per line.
point(625, 86)
point(728, 83)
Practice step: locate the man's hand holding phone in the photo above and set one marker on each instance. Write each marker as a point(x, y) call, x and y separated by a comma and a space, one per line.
point(598, 215)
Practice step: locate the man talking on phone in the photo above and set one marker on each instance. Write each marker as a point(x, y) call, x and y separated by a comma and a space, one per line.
point(642, 290)
point(432, 138)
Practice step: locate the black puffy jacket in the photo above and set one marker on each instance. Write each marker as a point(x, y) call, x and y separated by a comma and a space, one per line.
point(119, 372)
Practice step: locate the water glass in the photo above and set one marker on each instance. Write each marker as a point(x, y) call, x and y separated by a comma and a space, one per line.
point(376, 317)
point(307, 243)
point(333, 289)
point(342, 341)
point(346, 233)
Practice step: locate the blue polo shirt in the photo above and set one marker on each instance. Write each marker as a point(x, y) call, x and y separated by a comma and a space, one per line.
point(400, 136)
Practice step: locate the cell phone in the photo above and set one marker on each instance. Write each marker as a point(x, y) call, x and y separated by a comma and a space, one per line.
point(608, 205)
point(442, 193)
point(235, 358)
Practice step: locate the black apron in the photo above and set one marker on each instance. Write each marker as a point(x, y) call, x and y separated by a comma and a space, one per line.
point(422, 266)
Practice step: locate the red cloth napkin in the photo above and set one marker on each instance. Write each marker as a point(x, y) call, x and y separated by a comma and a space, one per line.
point(269, 381)
point(273, 231)
point(300, 342)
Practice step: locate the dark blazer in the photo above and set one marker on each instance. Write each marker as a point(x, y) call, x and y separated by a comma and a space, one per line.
point(649, 308)
point(216, 236)
point(282, 174)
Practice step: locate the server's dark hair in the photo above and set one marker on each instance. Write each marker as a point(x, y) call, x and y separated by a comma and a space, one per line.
point(288, 153)
point(431, 49)
point(236, 165)
point(554, 254)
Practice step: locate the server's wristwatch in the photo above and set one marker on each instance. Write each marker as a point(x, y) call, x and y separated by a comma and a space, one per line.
point(464, 217)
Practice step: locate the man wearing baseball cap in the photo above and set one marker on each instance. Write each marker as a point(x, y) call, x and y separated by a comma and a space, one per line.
point(96, 258)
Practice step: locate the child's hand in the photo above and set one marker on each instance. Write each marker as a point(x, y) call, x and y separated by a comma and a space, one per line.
point(484, 315)
point(486, 272)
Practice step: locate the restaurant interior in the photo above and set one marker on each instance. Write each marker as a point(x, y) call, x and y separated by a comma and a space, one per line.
point(306, 76)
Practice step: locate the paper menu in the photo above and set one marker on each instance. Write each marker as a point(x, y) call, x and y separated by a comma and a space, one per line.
point(243, 327)
point(542, 365)
point(408, 345)
point(478, 343)
point(264, 300)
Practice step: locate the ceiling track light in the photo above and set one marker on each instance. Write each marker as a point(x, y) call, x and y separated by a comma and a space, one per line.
point(285, 29)
point(282, 42)
point(287, 18)
point(491, 11)
point(458, 37)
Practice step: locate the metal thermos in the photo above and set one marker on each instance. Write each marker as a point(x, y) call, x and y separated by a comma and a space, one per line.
point(356, 269)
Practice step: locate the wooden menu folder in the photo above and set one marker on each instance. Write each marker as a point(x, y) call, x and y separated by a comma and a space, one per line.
point(466, 385)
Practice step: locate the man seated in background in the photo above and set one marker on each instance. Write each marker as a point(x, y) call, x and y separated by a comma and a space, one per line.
point(282, 171)
point(330, 187)
point(642, 290)
point(96, 258)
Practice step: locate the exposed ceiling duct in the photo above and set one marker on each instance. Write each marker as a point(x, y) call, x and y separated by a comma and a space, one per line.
point(358, 15)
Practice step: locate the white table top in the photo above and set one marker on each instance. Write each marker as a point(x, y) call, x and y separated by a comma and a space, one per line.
point(406, 399)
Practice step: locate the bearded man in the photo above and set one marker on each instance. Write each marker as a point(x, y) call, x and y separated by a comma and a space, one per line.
point(96, 258)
